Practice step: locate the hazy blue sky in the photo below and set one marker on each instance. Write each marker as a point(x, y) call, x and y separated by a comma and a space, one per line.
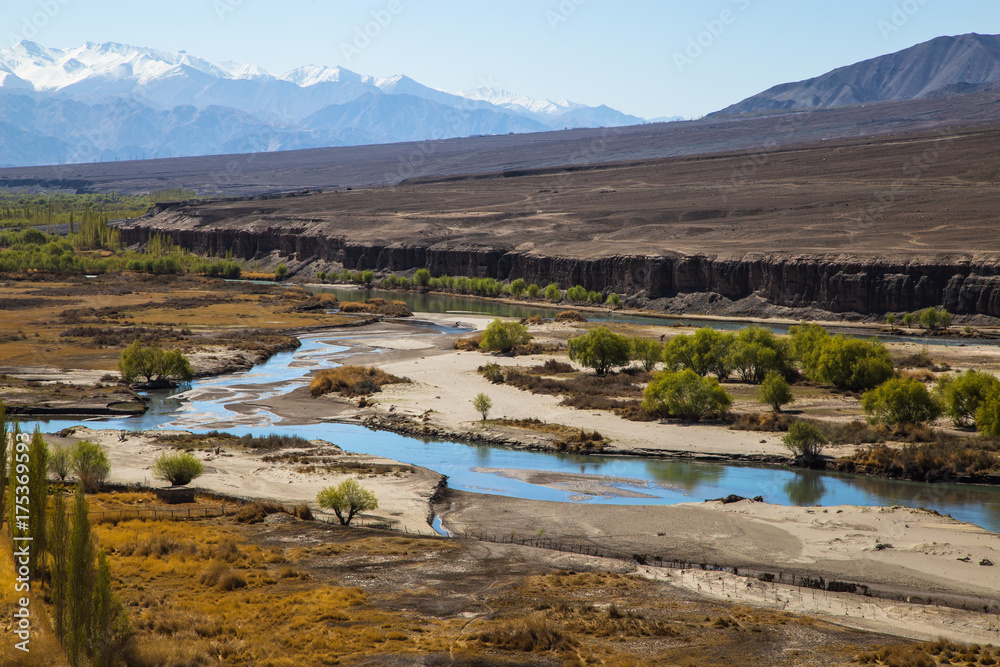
point(636, 56)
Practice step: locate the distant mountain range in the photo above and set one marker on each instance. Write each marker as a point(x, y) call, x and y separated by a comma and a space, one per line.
point(114, 101)
point(942, 66)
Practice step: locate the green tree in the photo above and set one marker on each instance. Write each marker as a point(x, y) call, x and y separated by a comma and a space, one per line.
point(614, 300)
point(577, 294)
point(482, 404)
point(61, 462)
point(807, 342)
point(849, 363)
point(79, 581)
point(900, 401)
point(988, 415)
point(646, 351)
point(38, 496)
point(553, 293)
point(422, 277)
point(890, 319)
point(595, 297)
point(153, 363)
point(504, 336)
point(347, 499)
point(804, 440)
point(685, 395)
point(518, 287)
point(90, 464)
point(774, 391)
point(758, 351)
point(367, 277)
point(907, 320)
point(600, 349)
point(58, 545)
point(935, 318)
point(533, 291)
point(962, 395)
point(178, 468)
point(280, 271)
point(705, 351)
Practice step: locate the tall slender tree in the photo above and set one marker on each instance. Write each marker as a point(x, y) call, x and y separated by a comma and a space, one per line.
point(58, 543)
point(38, 499)
point(79, 578)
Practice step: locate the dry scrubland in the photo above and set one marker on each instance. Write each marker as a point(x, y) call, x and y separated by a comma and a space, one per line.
point(292, 592)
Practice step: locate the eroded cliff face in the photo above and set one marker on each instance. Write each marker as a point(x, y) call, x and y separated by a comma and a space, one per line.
point(838, 284)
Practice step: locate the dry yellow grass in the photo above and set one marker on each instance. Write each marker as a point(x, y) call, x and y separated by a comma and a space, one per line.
point(351, 380)
point(45, 650)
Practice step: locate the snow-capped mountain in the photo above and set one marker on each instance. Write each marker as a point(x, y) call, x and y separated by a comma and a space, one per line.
point(116, 101)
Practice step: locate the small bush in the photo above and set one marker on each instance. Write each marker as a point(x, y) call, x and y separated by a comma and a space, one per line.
point(501, 336)
point(258, 510)
point(90, 465)
point(600, 349)
point(534, 633)
point(686, 395)
point(804, 440)
point(178, 468)
point(352, 381)
point(570, 316)
point(492, 372)
point(231, 581)
point(774, 391)
point(900, 401)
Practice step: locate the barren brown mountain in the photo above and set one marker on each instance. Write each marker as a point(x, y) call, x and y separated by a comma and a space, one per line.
point(864, 225)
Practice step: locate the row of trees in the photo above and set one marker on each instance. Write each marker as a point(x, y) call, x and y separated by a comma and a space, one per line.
point(928, 318)
point(516, 288)
point(89, 619)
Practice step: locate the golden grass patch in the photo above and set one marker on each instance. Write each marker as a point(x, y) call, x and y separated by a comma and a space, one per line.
point(352, 380)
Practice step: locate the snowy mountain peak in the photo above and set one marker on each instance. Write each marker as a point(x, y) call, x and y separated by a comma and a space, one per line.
point(511, 100)
point(310, 75)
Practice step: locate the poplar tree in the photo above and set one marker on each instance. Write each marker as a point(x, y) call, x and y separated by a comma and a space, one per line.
point(58, 543)
point(79, 581)
point(38, 497)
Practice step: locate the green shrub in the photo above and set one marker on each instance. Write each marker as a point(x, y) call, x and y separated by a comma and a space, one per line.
point(178, 468)
point(706, 351)
point(153, 363)
point(90, 465)
point(422, 277)
point(962, 395)
point(934, 318)
point(577, 294)
point(646, 351)
point(347, 499)
point(518, 287)
point(553, 293)
point(900, 401)
point(504, 336)
point(856, 365)
point(804, 440)
point(685, 395)
point(758, 351)
point(533, 291)
point(614, 300)
point(774, 391)
point(600, 349)
point(280, 271)
point(988, 415)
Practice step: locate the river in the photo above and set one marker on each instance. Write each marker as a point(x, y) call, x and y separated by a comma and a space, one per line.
point(220, 402)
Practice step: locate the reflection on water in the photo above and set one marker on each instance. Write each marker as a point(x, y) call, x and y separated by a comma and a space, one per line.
point(688, 476)
point(806, 488)
point(203, 404)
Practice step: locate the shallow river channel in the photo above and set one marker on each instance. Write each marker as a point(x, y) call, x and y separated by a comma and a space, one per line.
point(222, 402)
